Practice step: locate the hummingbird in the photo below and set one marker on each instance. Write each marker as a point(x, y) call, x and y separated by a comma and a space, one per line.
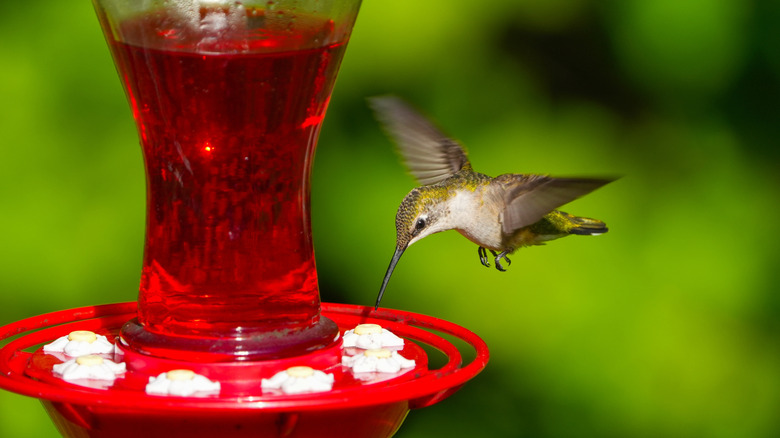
point(500, 214)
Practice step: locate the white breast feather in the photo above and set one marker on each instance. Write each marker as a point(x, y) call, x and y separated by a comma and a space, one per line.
point(475, 221)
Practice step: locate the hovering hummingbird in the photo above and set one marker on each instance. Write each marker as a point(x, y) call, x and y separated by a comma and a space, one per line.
point(499, 214)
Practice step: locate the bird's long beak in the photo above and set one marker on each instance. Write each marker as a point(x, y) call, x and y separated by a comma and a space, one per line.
point(399, 251)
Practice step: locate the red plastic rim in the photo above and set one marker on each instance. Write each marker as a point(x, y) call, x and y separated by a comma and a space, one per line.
point(427, 386)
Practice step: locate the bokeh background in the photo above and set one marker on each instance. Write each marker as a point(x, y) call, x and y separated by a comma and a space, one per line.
point(665, 327)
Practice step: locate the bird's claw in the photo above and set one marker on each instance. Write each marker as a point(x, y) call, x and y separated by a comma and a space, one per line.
point(483, 256)
point(498, 258)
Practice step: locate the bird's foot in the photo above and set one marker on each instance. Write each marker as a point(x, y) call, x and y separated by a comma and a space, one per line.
point(498, 258)
point(483, 258)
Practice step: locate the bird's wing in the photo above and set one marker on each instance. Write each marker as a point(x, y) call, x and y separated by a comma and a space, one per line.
point(530, 197)
point(429, 154)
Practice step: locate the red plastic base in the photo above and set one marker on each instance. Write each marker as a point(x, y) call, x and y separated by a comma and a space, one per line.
point(356, 407)
point(101, 422)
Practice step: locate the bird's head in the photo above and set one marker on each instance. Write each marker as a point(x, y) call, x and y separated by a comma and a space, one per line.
point(420, 214)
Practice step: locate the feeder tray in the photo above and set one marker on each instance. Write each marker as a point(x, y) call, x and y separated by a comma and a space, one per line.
point(374, 407)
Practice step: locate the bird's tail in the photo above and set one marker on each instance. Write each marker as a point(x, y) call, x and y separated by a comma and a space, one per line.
point(585, 226)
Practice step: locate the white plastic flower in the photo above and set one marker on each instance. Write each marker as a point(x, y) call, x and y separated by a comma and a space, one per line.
point(371, 337)
point(182, 383)
point(380, 360)
point(80, 343)
point(297, 380)
point(89, 367)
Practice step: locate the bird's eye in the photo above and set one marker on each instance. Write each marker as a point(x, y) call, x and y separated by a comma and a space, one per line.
point(420, 224)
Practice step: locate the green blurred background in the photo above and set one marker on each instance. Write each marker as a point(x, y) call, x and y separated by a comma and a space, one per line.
point(665, 327)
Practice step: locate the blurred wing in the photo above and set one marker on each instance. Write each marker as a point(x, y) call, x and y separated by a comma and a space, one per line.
point(430, 155)
point(531, 197)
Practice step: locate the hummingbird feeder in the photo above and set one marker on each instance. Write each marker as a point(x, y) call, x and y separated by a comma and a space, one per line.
point(229, 337)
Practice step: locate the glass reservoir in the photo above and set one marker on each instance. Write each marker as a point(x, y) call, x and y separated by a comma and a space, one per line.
point(228, 99)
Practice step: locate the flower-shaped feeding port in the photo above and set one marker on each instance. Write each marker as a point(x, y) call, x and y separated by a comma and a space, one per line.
point(298, 380)
point(80, 343)
point(379, 360)
point(181, 383)
point(91, 367)
point(369, 337)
